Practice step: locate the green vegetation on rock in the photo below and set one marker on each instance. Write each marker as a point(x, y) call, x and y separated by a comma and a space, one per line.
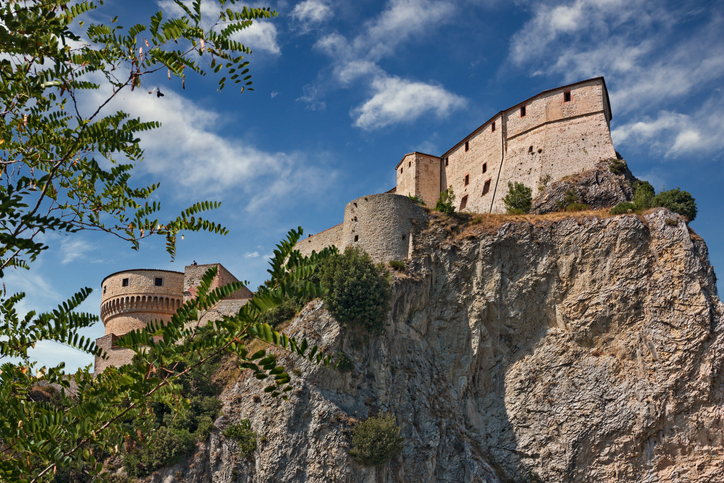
point(376, 440)
point(446, 202)
point(244, 436)
point(519, 198)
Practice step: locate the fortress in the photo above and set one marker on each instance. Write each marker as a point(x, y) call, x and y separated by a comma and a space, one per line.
point(554, 134)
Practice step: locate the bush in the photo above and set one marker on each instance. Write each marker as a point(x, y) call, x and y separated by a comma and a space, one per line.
point(446, 202)
point(617, 166)
point(358, 291)
point(644, 195)
point(416, 199)
point(344, 363)
point(397, 265)
point(577, 207)
point(283, 312)
point(678, 201)
point(622, 208)
point(243, 434)
point(519, 198)
point(376, 440)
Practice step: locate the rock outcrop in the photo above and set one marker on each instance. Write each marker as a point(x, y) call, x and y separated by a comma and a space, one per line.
point(576, 349)
point(598, 188)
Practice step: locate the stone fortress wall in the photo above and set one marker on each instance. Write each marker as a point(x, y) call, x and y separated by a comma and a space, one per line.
point(133, 298)
point(383, 225)
point(554, 134)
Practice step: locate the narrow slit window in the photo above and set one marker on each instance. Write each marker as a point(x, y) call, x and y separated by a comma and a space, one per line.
point(158, 282)
point(401, 170)
point(464, 202)
point(467, 179)
point(467, 145)
point(124, 283)
point(356, 238)
point(446, 161)
point(567, 96)
point(492, 129)
point(409, 164)
point(522, 111)
point(104, 289)
point(486, 187)
point(485, 167)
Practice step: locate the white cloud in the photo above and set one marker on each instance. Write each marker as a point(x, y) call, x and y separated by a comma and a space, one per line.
point(188, 150)
point(260, 36)
point(251, 255)
point(393, 100)
point(274, 94)
point(74, 248)
point(311, 13)
point(398, 100)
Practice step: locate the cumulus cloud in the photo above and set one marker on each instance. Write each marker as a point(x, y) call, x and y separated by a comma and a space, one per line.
point(311, 13)
point(398, 100)
point(356, 59)
point(73, 249)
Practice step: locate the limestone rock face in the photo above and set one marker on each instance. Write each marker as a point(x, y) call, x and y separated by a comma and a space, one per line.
point(577, 350)
point(598, 188)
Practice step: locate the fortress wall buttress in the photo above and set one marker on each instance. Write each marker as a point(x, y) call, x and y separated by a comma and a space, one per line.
point(473, 163)
point(382, 225)
point(564, 131)
point(315, 243)
point(194, 273)
point(115, 356)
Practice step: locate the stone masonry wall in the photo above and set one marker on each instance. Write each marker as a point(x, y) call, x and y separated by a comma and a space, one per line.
point(315, 243)
point(424, 169)
point(485, 148)
point(382, 225)
point(115, 356)
point(194, 273)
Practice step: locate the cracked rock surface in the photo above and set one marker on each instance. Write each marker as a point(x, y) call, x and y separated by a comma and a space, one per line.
point(581, 349)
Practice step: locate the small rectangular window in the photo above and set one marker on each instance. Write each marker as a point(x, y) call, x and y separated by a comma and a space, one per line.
point(486, 187)
point(485, 167)
point(409, 164)
point(467, 145)
point(356, 238)
point(124, 282)
point(446, 160)
point(522, 111)
point(467, 179)
point(464, 202)
point(158, 282)
point(567, 96)
point(104, 289)
point(401, 170)
point(493, 127)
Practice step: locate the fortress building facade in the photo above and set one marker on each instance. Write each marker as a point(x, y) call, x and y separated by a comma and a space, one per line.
point(554, 134)
point(132, 298)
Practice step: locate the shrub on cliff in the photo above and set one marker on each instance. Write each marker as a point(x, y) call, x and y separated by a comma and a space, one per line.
point(244, 436)
point(446, 202)
point(519, 198)
point(376, 440)
point(358, 291)
point(678, 201)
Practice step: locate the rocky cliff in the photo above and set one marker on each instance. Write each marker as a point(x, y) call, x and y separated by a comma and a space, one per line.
point(584, 348)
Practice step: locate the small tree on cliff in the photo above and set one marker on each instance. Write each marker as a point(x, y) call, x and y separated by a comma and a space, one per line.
point(53, 181)
point(446, 201)
point(519, 198)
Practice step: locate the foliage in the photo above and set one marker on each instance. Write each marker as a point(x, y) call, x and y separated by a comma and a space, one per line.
point(576, 207)
point(245, 437)
point(344, 363)
point(398, 265)
point(357, 291)
point(543, 182)
point(572, 201)
point(376, 440)
point(678, 201)
point(519, 198)
point(416, 199)
point(446, 202)
point(623, 208)
point(283, 312)
point(617, 166)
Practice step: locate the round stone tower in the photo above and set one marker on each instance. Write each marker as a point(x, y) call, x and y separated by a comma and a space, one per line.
point(130, 299)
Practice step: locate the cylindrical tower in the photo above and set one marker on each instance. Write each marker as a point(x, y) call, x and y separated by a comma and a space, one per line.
point(382, 225)
point(130, 300)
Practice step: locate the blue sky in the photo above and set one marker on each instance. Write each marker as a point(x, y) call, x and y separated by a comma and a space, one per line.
point(344, 89)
